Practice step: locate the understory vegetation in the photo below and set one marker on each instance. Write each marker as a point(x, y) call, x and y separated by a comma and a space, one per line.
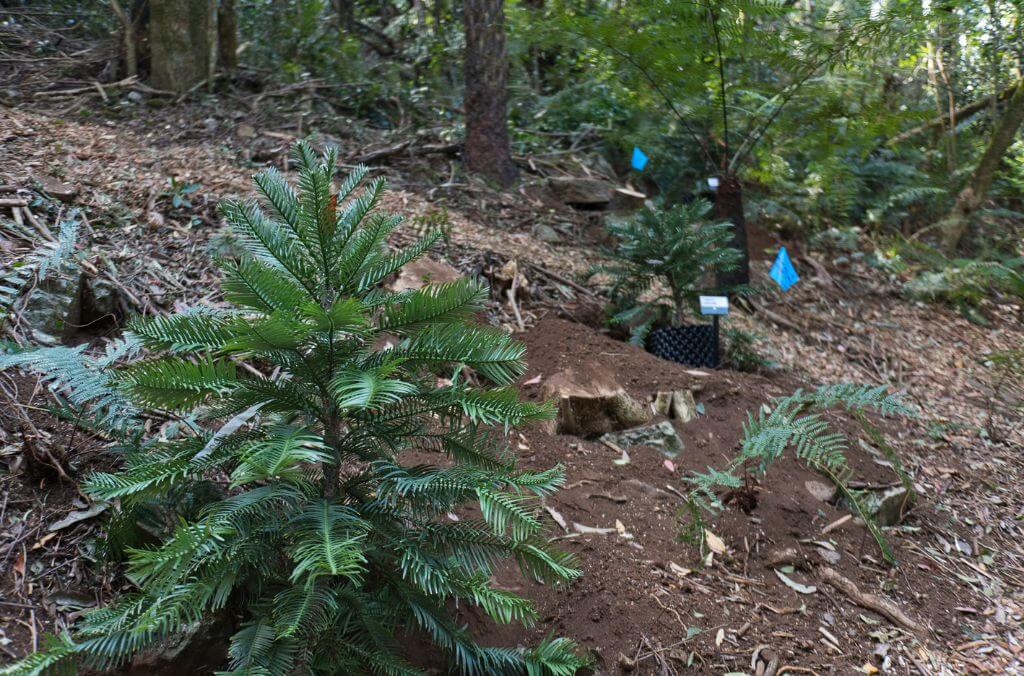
point(292, 421)
point(320, 536)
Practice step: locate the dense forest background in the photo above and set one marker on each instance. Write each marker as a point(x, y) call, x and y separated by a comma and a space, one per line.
point(895, 118)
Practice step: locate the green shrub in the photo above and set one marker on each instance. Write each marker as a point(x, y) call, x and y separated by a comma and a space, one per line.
point(660, 264)
point(741, 354)
point(324, 541)
point(796, 423)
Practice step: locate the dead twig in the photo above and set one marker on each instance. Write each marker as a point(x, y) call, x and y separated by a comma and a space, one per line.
point(885, 608)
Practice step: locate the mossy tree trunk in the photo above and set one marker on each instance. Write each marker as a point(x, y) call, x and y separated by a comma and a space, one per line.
point(973, 194)
point(487, 148)
point(179, 42)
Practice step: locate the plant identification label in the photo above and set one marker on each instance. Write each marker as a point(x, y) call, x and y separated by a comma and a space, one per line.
point(714, 305)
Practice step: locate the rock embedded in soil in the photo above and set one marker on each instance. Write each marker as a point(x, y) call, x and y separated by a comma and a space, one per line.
point(593, 403)
point(422, 272)
point(53, 310)
point(888, 507)
point(661, 436)
point(679, 404)
point(583, 192)
point(821, 490)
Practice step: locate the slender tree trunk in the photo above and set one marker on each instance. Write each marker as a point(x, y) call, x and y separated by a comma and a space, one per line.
point(345, 15)
point(227, 34)
point(131, 57)
point(729, 207)
point(487, 149)
point(973, 194)
point(179, 36)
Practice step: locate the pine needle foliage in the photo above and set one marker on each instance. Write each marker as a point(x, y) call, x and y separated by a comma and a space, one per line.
point(796, 423)
point(660, 262)
point(326, 543)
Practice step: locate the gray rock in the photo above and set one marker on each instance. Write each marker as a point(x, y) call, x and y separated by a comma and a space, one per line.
point(586, 192)
point(545, 233)
point(661, 436)
point(821, 490)
point(888, 507)
point(684, 408)
point(54, 308)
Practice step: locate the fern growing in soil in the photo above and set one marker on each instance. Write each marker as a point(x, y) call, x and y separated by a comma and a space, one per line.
point(795, 423)
point(659, 263)
point(326, 543)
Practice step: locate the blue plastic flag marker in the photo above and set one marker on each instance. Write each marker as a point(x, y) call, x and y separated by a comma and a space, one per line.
point(782, 271)
point(639, 159)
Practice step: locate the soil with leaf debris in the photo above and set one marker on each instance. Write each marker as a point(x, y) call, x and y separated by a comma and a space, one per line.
point(648, 602)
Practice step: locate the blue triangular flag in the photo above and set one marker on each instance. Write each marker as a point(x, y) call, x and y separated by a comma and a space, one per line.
point(639, 159)
point(782, 271)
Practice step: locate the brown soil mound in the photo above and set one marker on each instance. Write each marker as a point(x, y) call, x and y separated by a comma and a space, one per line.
point(635, 601)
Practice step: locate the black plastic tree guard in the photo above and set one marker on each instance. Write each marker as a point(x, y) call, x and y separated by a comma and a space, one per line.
point(694, 345)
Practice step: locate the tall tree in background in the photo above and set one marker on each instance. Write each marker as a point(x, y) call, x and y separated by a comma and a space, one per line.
point(227, 34)
point(972, 196)
point(487, 149)
point(182, 43)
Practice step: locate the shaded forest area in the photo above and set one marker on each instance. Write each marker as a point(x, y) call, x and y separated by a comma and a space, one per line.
point(528, 337)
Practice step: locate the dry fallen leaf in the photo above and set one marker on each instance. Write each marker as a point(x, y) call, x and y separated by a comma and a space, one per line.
point(591, 530)
point(43, 540)
point(719, 637)
point(678, 570)
point(559, 519)
point(794, 585)
point(715, 543)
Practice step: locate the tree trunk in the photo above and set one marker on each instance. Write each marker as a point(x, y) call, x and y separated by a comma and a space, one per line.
point(227, 35)
point(973, 194)
point(344, 12)
point(131, 57)
point(487, 150)
point(729, 207)
point(179, 36)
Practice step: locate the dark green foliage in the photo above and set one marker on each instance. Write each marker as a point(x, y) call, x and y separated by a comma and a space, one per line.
point(324, 540)
point(741, 353)
point(964, 283)
point(662, 262)
point(796, 423)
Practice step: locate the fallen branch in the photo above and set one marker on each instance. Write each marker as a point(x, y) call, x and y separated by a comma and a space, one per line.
point(885, 608)
point(407, 147)
point(559, 278)
point(91, 88)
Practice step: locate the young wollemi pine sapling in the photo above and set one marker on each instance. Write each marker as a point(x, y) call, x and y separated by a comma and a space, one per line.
point(324, 544)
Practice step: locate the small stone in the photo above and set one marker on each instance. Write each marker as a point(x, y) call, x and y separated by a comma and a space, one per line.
point(661, 436)
point(820, 490)
point(684, 408)
point(889, 506)
point(65, 192)
point(545, 233)
point(424, 271)
point(663, 403)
